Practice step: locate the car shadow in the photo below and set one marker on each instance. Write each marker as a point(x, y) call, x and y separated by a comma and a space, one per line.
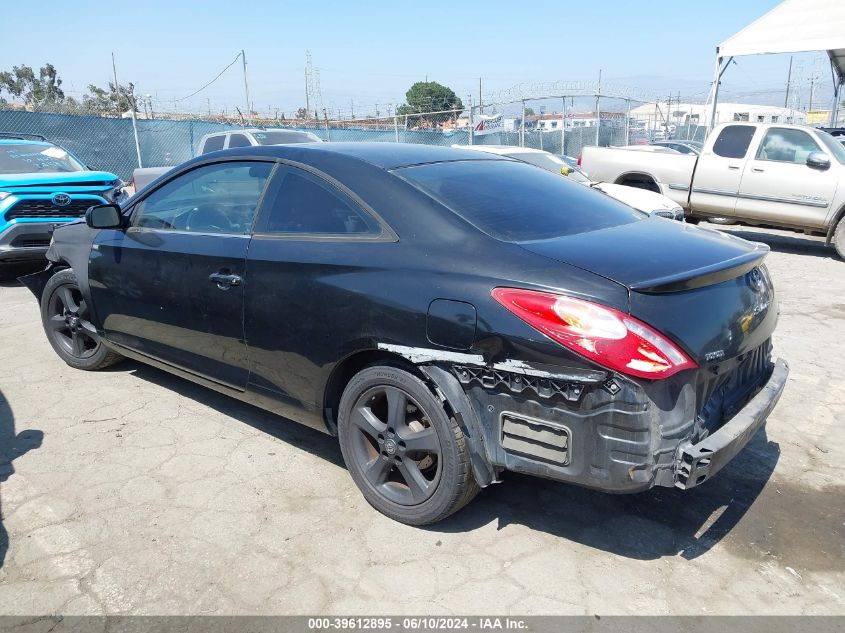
point(645, 526)
point(319, 444)
point(12, 446)
point(9, 273)
point(784, 243)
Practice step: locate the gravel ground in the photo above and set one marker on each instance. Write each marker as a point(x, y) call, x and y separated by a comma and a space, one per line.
point(130, 491)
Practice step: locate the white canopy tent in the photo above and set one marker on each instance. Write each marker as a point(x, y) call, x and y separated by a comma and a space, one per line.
point(794, 26)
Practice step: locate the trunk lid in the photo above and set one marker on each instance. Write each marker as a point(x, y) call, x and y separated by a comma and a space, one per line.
point(706, 290)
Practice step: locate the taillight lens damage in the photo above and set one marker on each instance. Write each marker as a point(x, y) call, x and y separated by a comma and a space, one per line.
point(609, 337)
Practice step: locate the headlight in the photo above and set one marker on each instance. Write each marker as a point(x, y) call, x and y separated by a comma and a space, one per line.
point(5, 194)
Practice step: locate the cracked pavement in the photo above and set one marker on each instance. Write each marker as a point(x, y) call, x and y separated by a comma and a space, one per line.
point(130, 491)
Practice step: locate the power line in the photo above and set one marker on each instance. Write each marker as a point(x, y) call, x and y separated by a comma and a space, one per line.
point(237, 57)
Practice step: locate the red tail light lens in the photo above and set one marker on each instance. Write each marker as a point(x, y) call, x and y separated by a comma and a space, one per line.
point(579, 159)
point(609, 337)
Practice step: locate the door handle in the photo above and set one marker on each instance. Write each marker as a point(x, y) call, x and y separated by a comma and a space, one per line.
point(733, 166)
point(757, 170)
point(225, 280)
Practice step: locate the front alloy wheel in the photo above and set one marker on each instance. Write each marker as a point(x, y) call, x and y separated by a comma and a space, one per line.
point(66, 318)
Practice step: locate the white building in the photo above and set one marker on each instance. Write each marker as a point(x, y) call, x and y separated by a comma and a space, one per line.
point(661, 114)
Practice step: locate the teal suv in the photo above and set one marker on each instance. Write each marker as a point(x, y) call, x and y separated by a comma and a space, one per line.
point(43, 186)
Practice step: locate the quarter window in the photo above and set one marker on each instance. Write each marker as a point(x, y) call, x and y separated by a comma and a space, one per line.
point(299, 202)
point(733, 141)
point(217, 198)
point(786, 146)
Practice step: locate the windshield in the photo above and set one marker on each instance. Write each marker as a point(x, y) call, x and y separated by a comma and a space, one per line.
point(833, 146)
point(30, 158)
point(515, 202)
point(282, 137)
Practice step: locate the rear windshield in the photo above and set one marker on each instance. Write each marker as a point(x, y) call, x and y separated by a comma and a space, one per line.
point(26, 158)
point(516, 202)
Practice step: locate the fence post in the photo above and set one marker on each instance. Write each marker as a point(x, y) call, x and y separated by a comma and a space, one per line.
point(326, 118)
point(522, 127)
point(563, 127)
point(628, 122)
point(396, 127)
point(135, 131)
point(470, 124)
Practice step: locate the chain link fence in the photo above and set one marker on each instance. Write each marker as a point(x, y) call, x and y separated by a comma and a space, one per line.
point(560, 125)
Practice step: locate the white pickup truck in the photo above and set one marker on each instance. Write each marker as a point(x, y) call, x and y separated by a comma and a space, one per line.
point(789, 176)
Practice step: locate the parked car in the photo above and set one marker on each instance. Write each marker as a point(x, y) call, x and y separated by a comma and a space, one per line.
point(249, 137)
point(681, 146)
point(789, 176)
point(41, 187)
point(448, 314)
point(646, 201)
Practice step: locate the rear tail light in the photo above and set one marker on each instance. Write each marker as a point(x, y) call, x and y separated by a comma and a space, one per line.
point(579, 159)
point(609, 337)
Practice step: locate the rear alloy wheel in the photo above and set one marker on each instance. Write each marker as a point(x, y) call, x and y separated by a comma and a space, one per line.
point(409, 459)
point(65, 315)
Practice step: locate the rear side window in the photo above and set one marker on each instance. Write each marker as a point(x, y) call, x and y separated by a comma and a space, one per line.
point(299, 202)
point(516, 202)
point(213, 144)
point(733, 141)
point(238, 140)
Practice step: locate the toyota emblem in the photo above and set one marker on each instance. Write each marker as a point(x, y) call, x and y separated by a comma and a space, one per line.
point(60, 199)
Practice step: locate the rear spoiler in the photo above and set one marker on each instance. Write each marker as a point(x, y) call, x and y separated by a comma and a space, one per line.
point(706, 275)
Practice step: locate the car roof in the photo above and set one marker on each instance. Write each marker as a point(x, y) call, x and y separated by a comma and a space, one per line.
point(383, 155)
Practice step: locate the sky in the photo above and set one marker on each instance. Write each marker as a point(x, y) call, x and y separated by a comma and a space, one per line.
point(369, 53)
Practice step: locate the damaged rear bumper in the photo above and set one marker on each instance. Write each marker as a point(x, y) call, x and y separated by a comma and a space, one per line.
point(595, 429)
point(698, 462)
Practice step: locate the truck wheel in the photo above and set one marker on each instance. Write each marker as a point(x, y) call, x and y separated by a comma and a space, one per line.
point(406, 455)
point(65, 315)
point(839, 238)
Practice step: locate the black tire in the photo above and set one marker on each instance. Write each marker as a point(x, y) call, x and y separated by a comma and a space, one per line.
point(839, 238)
point(408, 436)
point(73, 337)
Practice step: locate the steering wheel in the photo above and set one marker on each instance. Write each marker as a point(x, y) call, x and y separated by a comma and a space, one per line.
point(209, 219)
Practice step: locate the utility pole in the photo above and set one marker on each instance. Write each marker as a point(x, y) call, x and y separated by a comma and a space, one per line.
point(352, 106)
point(480, 98)
point(246, 88)
point(131, 100)
point(812, 91)
point(788, 83)
point(307, 100)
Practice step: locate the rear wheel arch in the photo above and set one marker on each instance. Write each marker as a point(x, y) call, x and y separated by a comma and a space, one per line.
point(640, 180)
point(838, 218)
point(345, 371)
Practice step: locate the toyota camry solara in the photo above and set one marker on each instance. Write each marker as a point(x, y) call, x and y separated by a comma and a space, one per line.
point(448, 315)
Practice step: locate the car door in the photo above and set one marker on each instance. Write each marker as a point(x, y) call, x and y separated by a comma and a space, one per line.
point(311, 240)
point(778, 186)
point(719, 169)
point(171, 286)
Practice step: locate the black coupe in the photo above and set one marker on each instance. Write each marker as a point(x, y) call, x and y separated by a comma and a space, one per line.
point(449, 315)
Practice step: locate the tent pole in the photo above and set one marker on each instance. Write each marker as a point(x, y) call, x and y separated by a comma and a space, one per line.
point(716, 77)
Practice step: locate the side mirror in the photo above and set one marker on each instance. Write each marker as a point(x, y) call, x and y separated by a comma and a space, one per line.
point(104, 216)
point(818, 160)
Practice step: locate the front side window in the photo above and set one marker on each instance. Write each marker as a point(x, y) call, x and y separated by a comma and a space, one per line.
point(733, 141)
point(300, 203)
point(786, 146)
point(216, 198)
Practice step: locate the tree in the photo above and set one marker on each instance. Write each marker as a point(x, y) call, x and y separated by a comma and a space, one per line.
point(302, 113)
point(37, 91)
point(529, 112)
point(425, 97)
point(112, 100)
